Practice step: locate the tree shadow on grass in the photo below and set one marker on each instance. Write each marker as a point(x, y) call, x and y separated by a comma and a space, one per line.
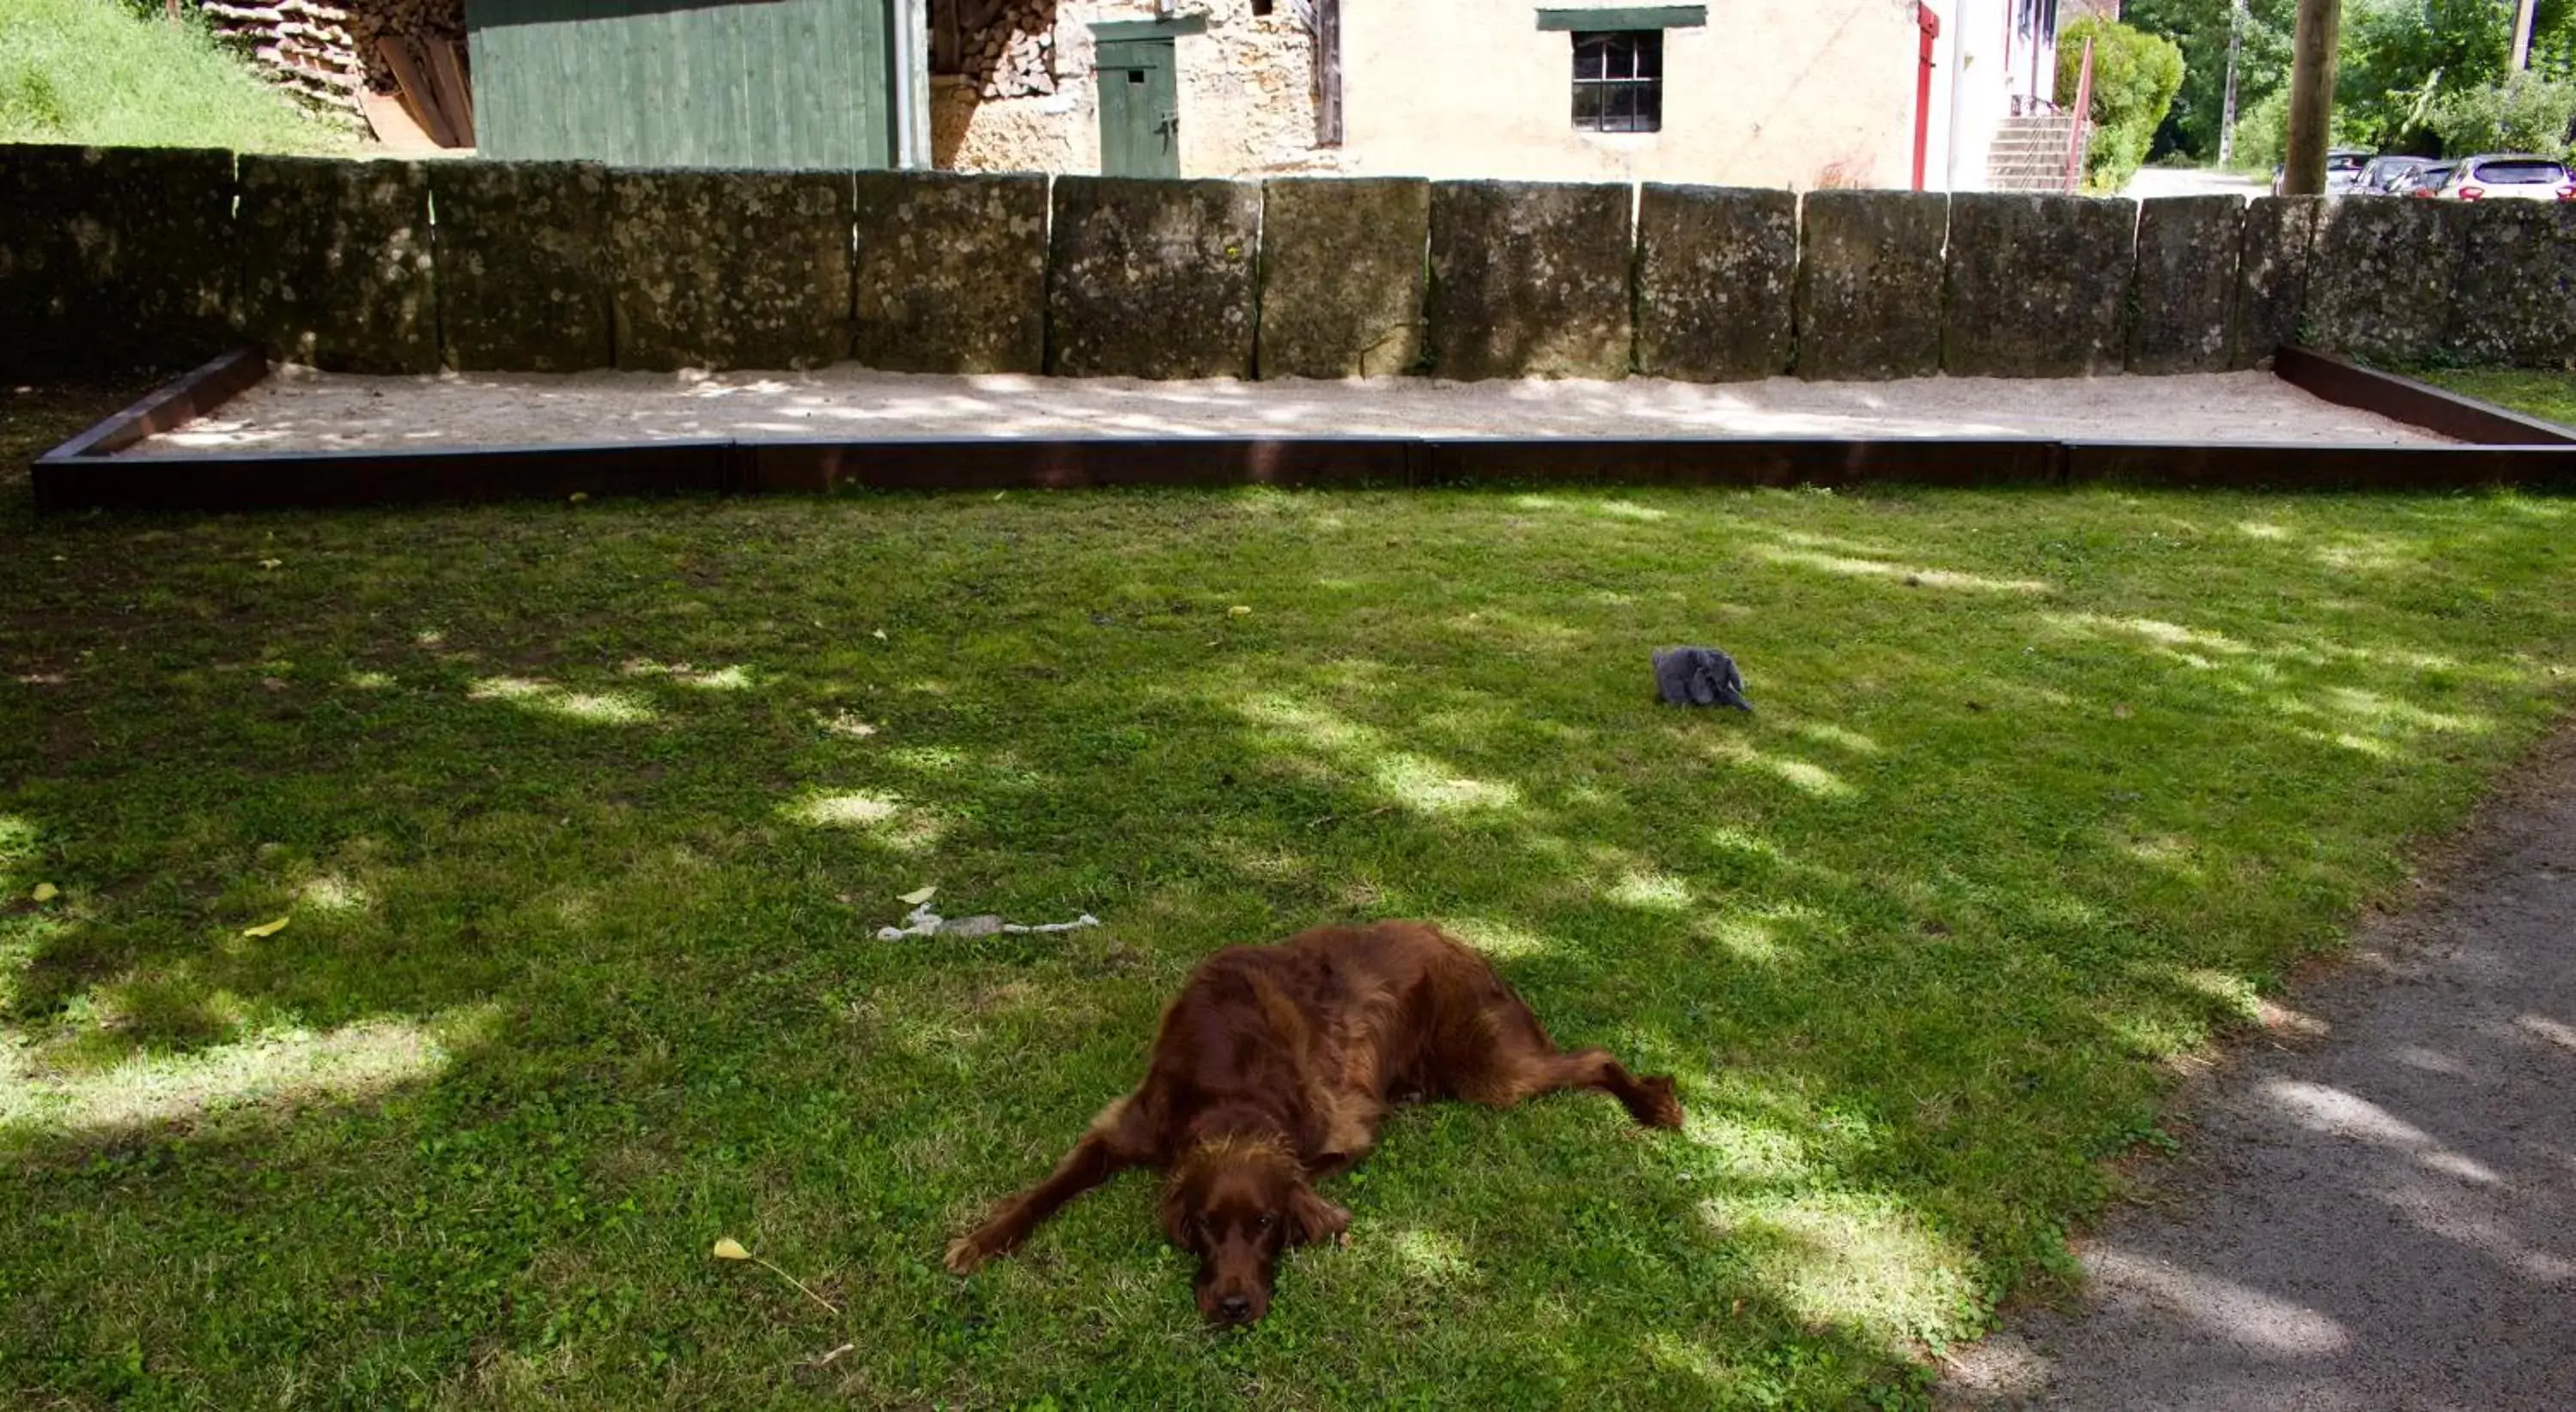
point(607, 808)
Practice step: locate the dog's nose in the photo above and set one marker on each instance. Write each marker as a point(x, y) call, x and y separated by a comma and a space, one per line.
point(1235, 1308)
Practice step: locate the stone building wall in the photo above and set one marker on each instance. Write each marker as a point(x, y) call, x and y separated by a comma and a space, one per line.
point(1247, 99)
point(1781, 93)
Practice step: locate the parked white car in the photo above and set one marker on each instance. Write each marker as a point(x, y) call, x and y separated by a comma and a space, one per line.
point(2508, 176)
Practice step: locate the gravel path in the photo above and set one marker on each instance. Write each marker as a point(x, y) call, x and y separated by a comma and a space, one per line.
point(2378, 1205)
point(299, 409)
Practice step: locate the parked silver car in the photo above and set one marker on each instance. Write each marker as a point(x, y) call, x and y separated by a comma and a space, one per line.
point(2380, 175)
point(2502, 176)
point(2343, 171)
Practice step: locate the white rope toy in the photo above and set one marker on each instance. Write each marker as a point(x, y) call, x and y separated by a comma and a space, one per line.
point(921, 921)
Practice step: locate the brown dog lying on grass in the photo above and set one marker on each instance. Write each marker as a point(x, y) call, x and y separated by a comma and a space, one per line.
point(1272, 1070)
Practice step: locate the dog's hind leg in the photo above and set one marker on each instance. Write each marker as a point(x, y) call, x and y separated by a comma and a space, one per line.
point(1116, 1141)
point(1509, 1057)
point(1648, 1098)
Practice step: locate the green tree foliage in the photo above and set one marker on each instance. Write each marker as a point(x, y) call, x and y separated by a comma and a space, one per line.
point(2526, 113)
point(2399, 57)
point(2135, 76)
point(2400, 61)
point(2263, 130)
point(2200, 28)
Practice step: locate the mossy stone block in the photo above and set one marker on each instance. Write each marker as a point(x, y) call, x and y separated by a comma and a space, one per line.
point(2185, 298)
point(2036, 286)
point(2271, 276)
point(2514, 302)
point(729, 269)
point(336, 263)
point(1869, 284)
point(951, 274)
point(113, 257)
point(522, 265)
point(1530, 280)
point(1151, 278)
point(1716, 271)
point(2379, 277)
point(1343, 275)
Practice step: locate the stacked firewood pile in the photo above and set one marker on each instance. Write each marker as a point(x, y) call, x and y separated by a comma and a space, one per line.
point(325, 51)
point(303, 44)
point(1004, 48)
point(420, 23)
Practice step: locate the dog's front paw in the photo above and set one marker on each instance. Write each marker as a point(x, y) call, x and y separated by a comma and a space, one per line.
point(977, 1246)
point(1663, 1107)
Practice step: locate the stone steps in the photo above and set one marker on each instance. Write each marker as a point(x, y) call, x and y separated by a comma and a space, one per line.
point(2029, 153)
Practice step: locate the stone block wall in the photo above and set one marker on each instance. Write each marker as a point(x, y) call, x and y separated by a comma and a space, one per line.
point(717, 269)
point(121, 257)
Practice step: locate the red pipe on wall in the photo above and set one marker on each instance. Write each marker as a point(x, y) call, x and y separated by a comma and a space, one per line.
point(1931, 24)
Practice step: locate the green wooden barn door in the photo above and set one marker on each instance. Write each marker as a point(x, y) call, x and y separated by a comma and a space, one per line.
point(796, 84)
point(1140, 109)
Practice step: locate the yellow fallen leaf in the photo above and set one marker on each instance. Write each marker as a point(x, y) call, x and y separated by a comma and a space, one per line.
point(879, 635)
point(270, 563)
point(579, 496)
point(731, 1249)
point(1240, 609)
point(267, 928)
point(47, 892)
point(919, 895)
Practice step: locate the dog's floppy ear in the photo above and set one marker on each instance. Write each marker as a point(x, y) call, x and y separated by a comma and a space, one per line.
point(1173, 1210)
point(1312, 1220)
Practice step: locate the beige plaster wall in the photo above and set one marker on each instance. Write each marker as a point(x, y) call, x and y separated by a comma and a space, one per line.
point(1796, 93)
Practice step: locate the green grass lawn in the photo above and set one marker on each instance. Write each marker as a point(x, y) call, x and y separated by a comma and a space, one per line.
point(2538, 394)
point(583, 816)
point(106, 73)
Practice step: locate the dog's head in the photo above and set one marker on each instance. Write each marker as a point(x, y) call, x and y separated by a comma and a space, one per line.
point(1236, 1202)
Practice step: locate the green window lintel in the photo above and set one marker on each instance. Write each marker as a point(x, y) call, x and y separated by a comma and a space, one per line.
point(1115, 30)
point(1648, 17)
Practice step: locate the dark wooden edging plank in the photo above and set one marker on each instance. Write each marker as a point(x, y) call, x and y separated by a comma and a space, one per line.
point(1746, 461)
point(340, 478)
point(2349, 384)
point(281, 480)
point(173, 404)
point(2408, 468)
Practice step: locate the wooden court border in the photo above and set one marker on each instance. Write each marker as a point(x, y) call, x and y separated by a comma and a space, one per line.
point(2505, 449)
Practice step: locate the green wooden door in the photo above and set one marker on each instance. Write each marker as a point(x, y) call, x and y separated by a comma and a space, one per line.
point(784, 84)
point(1140, 108)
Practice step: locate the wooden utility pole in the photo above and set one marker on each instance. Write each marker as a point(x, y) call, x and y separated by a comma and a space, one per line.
point(2522, 33)
point(2312, 83)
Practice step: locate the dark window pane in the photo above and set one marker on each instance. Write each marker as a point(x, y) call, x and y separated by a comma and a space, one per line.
point(1618, 81)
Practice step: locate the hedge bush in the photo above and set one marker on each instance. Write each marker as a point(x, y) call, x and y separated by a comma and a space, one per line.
point(2135, 77)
